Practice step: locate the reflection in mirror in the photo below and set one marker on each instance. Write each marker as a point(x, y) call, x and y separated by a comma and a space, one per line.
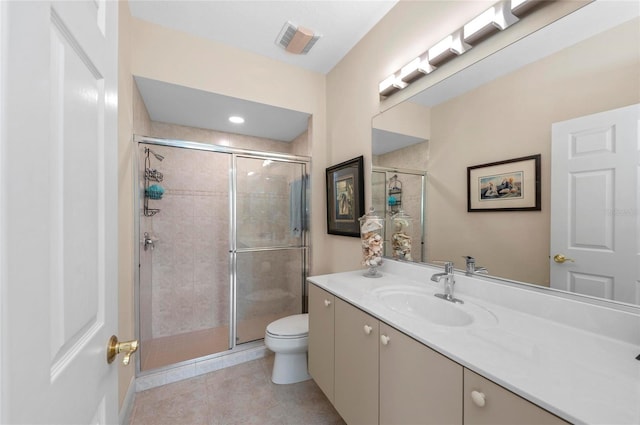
point(504, 107)
point(400, 138)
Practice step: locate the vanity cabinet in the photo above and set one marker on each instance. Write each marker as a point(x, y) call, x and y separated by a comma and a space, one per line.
point(321, 339)
point(486, 403)
point(375, 374)
point(417, 384)
point(372, 373)
point(356, 364)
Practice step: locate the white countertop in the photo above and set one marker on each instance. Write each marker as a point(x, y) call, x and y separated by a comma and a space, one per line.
point(573, 358)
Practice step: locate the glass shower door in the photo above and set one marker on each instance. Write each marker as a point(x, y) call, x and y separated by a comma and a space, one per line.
point(270, 243)
point(184, 288)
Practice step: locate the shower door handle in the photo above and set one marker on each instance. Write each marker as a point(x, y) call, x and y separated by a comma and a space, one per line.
point(148, 241)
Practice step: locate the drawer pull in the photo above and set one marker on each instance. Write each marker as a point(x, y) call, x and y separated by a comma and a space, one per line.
point(384, 339)
point(367, 329)
point(478, 398)
point(327, 303)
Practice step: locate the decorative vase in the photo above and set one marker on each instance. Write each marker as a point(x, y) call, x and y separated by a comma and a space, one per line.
point(401, 236)
point(371, 236)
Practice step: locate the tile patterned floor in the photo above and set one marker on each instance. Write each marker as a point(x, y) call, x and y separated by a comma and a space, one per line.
point(242, 394)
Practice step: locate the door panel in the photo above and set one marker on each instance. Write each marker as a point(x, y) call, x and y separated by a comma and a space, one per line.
point(59, 176)
point(595, 204)
point(76, 232)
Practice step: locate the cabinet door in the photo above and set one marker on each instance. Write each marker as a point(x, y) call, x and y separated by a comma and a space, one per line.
point(417, 384)
point(485, 402)
point(321, 338)
point(356, 365)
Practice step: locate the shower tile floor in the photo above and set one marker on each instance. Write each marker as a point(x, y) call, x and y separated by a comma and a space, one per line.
point(168, 350)
point(242, 394)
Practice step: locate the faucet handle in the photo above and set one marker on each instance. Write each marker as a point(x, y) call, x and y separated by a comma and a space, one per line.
point(448, 265)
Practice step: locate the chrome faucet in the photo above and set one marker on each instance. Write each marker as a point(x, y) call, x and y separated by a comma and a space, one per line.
point(449, 282)
point(471, 266)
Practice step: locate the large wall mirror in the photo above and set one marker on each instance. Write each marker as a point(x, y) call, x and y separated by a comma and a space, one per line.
point(503, 107)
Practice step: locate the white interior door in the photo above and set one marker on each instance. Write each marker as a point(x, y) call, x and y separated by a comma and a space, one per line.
point(58, 211)
point(595, 205)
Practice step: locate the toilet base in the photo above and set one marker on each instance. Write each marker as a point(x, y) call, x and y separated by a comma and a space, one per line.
point(290, 368)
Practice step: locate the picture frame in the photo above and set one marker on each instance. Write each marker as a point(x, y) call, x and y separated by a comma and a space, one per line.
point(510, 185)
point(345, 197)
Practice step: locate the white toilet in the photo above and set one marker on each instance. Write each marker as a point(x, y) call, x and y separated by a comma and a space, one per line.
point(289, 338)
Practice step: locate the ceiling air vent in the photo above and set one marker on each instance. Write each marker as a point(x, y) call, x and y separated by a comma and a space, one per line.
point(295, 39)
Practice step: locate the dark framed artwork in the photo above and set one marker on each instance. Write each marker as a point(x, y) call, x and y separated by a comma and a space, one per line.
point(511, 185)
point(345, 197)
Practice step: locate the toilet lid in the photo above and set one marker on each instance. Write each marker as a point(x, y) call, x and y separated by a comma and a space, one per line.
point(298, 324)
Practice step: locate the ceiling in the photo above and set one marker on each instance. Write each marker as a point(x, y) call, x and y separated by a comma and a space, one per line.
point(190, 107)
point(252, 25)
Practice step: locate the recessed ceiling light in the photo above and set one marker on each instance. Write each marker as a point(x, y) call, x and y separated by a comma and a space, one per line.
point(236, 119)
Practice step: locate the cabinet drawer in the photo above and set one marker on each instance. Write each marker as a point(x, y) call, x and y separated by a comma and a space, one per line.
point(485, 402)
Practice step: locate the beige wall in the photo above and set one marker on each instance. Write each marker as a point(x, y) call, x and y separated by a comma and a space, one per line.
point(407, 118)
point(403, 34)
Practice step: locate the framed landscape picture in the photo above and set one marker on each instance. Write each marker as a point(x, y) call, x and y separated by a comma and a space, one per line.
point(510, 185)
point(345, 197)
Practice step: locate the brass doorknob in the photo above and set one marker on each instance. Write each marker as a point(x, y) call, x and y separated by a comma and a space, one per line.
point(114, 348)
point(559, 258)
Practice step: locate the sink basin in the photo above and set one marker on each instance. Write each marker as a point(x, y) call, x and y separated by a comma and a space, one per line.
point(419, 304)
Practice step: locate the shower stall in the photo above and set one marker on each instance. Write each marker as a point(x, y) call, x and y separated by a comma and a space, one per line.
point(223, 247)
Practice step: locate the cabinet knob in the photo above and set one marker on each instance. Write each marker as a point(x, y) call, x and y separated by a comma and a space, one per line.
point(384, 339)
point(327, 303)
point(478, 398)
point(367, 329)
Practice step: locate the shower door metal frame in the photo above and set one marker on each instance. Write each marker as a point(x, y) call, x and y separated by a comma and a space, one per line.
point(234, 248)
point(305, 161)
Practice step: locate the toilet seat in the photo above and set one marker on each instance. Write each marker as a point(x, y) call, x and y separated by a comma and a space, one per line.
point(296, 326)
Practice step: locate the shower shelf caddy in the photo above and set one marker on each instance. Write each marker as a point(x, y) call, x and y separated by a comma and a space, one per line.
point(395, 194)
point(150, 175)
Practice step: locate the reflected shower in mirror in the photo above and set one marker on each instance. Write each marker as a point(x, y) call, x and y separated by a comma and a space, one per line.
point(503, 107)
point(399, 191)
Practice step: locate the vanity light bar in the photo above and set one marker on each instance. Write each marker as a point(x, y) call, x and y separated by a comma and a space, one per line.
point(497, 18)
point(391, 84)
point(446, 49)
point(415, 69)
point(523, 7)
